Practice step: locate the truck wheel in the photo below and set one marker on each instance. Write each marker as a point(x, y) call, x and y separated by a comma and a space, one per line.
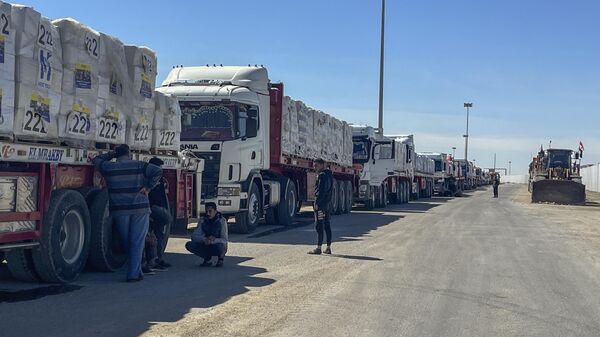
point(384, 197)
point(341, 198)
point(89, 193)
point(65, 240)
point(286, 210)
point(20, 265)
point(349, 196)
point(370, 204)
point(333, 206)
point(247, 221)
point(107, 252)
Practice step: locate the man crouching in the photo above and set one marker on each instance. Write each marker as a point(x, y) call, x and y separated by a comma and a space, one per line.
point(210, 237)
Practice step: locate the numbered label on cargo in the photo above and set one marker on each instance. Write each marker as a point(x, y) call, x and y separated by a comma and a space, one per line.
point(108, 129)
point(44, 36)
point(167, 138)
point(79, 120)
point(37, 115)
point(142, 133)
point(92, 45)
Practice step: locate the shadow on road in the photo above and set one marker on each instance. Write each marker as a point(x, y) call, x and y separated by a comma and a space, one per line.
point(102, 298)
point(356, 257)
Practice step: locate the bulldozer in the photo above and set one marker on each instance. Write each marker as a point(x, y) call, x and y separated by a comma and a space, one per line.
point(554, 177)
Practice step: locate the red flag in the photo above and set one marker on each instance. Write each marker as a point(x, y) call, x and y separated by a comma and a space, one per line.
point(581, 148)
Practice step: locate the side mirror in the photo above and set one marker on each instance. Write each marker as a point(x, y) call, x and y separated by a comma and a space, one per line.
point(252, 113)
point(251, 127)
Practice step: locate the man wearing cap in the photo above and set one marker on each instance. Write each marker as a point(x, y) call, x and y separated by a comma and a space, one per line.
point(129, 182)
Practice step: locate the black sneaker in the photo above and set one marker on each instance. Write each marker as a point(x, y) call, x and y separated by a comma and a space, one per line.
point(163, 263)
point(206, 263)
point(131, 280)
point(219, 263)
point(148, 271)
point(159, 267)
point(316, 251)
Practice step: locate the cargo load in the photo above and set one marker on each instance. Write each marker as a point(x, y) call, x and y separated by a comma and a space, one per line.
point(313, 134)
point(166, 129)
point(141, 67)
point(115, 91)
point(38, 75)
point(7, 71)
point(83, 53)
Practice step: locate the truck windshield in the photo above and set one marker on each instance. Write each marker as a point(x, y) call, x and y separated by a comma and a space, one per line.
point(438, 165)
point(361, 152)
point(559, 159)
point(219, 121)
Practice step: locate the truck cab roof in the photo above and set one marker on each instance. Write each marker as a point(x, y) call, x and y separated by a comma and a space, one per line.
point(254, 78)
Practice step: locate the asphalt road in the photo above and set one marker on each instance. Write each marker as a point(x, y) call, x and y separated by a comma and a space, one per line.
point(471, 266)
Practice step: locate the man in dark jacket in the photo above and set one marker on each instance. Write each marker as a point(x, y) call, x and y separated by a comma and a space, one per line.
point(159, 218)
point(210, 237)
point(496, 184)
point(323, 195)
point(129, 182)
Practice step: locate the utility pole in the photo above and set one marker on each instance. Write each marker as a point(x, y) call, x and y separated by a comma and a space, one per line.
point(381, 68)
point(453, 150)
point(509, 167)
point(466, 135)
point(494, 162)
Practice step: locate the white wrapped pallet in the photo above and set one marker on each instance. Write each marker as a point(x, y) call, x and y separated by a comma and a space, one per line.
point(139, 129)
point(348, 147)
point(7, 70)
point(167, 123)
point(38, 75)
point(305, 138)
point(287, 143)
point(83, 53)
point(114, 93)
point(141, 66)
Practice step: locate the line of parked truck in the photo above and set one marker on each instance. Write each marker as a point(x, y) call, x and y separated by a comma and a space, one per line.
point(243, 144)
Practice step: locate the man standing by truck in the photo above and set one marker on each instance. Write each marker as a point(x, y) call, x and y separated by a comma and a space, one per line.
point(129, 182)
point(496, 184)
point(323, 195)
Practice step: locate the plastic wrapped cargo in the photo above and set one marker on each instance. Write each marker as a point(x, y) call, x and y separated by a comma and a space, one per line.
point(141, 66)
point(348, 145)
point(114, 93)
point(7, 70)
point(167, 122)
point(305, 135)
point(139, 129)
point(38, 75)
point(83, 52)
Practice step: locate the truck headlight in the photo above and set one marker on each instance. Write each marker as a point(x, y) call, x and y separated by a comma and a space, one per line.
point(363, 188)
point(228, 191)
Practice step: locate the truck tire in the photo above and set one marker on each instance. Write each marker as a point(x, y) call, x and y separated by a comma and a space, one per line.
point(65, 240)
point(370, 204)
point(384, 197)
point(341, 198)
point(20, 265)
point(107, 252)
point(334, 204)
point(247, 221)
point(286, 210)
point(349, 196)
point(89, 193)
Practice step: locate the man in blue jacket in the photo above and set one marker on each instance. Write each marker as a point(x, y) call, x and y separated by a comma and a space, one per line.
point(323, 195)
point(129, 182)
point(210, 237)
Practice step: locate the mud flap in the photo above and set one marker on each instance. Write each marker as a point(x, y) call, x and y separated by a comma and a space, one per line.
point(558, 191)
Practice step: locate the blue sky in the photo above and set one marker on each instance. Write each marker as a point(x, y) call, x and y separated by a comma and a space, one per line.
point(531, 67)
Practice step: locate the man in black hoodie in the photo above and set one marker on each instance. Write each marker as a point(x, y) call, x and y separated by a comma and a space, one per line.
point(323, 195)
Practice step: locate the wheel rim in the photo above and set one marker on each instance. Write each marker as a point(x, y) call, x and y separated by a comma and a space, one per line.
point(253, 213)
point(72, 234)
point(291, 203)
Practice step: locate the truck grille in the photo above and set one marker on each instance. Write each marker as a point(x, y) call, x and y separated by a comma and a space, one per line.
point(210, 176)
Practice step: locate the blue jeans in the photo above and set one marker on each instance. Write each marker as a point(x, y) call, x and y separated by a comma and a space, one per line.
point(133, 230)
point(206, 251)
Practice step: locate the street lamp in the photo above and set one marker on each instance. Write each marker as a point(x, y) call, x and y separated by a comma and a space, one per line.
point(381, 67)
point(466, 135)
point(453, 150)
point(509, 164)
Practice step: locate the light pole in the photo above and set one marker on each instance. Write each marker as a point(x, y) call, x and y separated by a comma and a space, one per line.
point(509, 166)
point(466, 135)
point(453, 150)
point(381, 68)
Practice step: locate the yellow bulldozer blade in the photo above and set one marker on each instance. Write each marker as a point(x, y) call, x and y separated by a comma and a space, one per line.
point(558, 191)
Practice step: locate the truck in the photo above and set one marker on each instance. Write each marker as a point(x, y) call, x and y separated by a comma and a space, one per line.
point(242, 125)
point(447, 178)
point(467, 172)
point(417, 170)
point(377, 159)
point(554, 176)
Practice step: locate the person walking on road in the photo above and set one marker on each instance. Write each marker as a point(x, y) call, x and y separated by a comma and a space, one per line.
point(210, 237)
point(496, 184)
point(129, 182)
point(323, 195)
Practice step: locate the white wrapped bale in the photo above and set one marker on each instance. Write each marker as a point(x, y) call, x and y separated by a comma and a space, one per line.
point(114, 93)
point(348, 146)
point(139, 129)
point(83, 52)
point(7, 70)
point(38, 75)
point(167, 123)
point(141, 66)
point(305, 135)
point(287, 143)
